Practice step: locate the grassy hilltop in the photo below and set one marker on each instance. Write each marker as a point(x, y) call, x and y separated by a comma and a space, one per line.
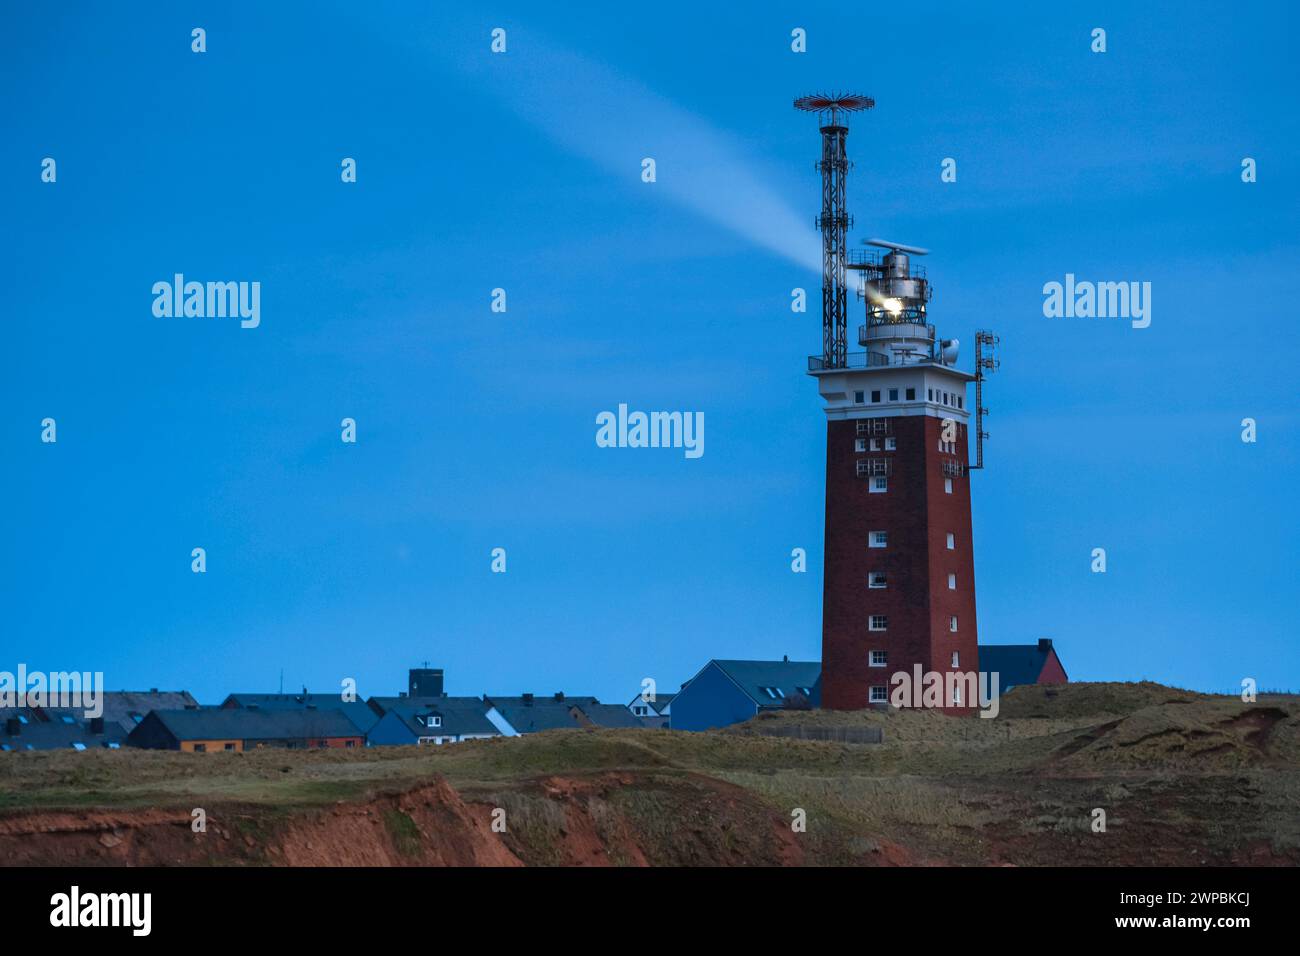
point(1184, 779)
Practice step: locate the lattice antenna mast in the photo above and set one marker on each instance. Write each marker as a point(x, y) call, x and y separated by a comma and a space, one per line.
point(986, 363)
point(834, 221)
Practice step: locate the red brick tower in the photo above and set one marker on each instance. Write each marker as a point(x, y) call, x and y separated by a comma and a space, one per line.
point(899, 571)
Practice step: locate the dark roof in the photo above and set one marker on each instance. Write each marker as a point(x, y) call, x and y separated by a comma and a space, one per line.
point(786, 677)
point(358, 711)
point(657, 705)
point(611, 715)
point(460, 715)
point(1015, 664)
point(54, 735)
point(541, 713)
point(240, 723)
point(119, 705)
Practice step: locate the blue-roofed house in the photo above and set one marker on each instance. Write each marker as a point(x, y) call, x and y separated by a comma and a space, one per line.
point(1017, 664)
point(728, 692)
point(429, 720)
point(357, 711)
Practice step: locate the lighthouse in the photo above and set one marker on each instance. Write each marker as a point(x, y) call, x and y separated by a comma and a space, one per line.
point(899, 577)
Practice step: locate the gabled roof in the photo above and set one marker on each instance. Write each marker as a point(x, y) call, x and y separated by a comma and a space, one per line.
point(1015, 664)
point(359, 712)
point(460, 715)
point(540, 713)
point(657, 705)
point(784, 677)
point(240, 723)
point(610, 715)
point(54, 735)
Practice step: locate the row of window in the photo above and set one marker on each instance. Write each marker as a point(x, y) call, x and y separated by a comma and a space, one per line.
point(881, 659)
point(880, 539)
point(878, 579)
point(776, 693)
point(880, 694)
point(951, 399)
point(880, 622)
point(873, 444)
point(880, 483)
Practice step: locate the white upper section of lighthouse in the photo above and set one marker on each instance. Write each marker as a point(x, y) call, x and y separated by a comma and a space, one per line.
point(904, 370)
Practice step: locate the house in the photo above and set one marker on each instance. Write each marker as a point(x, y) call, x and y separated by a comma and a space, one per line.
point(359, 712)
point(1017, 664)
point(654, 713)
point(728, 692)
point(240, 728)
point(591, 716)
point(57, 728)
point(428, 720)
point(530, 714)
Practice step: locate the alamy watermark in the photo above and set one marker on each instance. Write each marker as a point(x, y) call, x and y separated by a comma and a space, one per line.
point(651, 430)
point(932, 689)
point(210, 300)
point(1101, 300)
point(65, 689)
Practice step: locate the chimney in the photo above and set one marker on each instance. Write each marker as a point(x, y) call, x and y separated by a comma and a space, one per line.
point(13, 726)
point(559, 696)
point(96, 725)
point(1044, 644)
point(527, 698)
point(785, 658)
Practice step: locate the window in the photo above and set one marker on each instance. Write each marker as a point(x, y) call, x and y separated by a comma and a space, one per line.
point(859, 398)
point(959, 401)
point(911, 394)
point(878, 539)
point(893, 394)
point(879, 694)
point(878, 622)
point(67, 718)
point(947, 486)
point(952, 623)
point(891, 444)
point(773, 693)
point(952, 542)
point(956, 694)
point(806, 691)
point(879, 658)
point(931, 391)
point(875, 444)
point(879, 485)
point(952, 582)
point(956, 659)
point(875, 396)
point(200, 748)
point(228, 746)
point(641, 710)
point(877, 579)
point(859, 444)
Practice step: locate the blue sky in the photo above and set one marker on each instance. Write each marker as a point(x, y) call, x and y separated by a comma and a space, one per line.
point(476, 429)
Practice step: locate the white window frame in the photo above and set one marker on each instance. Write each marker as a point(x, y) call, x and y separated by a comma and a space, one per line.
point(952, 582)
point(859, 444)
point(871, 580)
point(884, 659)
point(952, 624)
point(952, 541)
point(879, 484)
point(878, 622)
point(891, 444)
point(878, 539)
point(956, 659)
point(883, 697)
point(947, 486)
